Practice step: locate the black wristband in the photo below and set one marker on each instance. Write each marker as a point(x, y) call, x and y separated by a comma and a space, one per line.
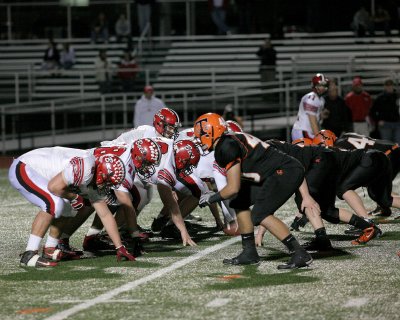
point(215, 198)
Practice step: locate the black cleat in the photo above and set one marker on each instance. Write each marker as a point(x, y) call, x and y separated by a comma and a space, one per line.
point(380, 212)
point(172, 232)
point(244, 258)
point(299, 259)
point(318, 244)
point(298, 222)
point(353, 231)
point(159, 223)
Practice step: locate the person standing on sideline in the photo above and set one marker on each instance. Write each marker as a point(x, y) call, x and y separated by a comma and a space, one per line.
point(385, 112)
point(146, 107)
point(144, 13)
point(359, 101)
point(267, 55)
point(218, 15)
point(308, 117)
point(336, 114)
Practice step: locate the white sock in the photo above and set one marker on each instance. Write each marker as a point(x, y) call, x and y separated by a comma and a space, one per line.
point(33, 243)
point(92, 231)
point(51, 242)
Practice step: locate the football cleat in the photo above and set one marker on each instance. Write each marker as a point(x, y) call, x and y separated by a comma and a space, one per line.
point(298, 222)
point(380, 212)
point(159, 223)
point(135, 245)
point(193, 218)
point(367, 235)
point(318, 244)
point(244, 258)
point(299, 259)
point(97, 242)
point(32, 259)
point(353, 231)
point(63, 245)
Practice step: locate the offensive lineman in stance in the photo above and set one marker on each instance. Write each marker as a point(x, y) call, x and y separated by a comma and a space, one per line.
point(259, 175)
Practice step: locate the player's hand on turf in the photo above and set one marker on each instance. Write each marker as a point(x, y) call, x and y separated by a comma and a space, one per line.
point(123, 254)
point(205, 199)
point(187, 240)
point(77, 202)
point(260, 236)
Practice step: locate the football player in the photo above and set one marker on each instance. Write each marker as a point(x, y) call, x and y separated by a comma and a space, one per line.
point(58, 180)
point(259, 175)
point(311, 104)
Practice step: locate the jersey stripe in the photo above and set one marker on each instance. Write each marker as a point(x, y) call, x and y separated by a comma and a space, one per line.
point(165, 175)
point(219, 169)
point(188, 182)
point(78, 168)
point(30, 186)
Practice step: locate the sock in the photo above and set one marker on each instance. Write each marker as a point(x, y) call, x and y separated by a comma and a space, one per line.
point(321, 233)
point(33, 243)
point(51, 242)
point(359, 223)
point(92, 232)
point(291, 243)
point(248, 241)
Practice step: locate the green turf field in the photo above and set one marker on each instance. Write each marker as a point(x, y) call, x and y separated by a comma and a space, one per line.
point(172, 282)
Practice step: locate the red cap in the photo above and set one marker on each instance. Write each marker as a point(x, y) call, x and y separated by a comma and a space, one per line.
point(148, 89)
point(357, 81)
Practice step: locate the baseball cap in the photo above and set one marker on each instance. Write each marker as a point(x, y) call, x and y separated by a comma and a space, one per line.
point(357, 81)
point(148, 89)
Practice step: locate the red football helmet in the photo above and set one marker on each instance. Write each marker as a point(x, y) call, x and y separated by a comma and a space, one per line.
point(324, 138)
point(208, 128)
point(166, 122)
point(146, 155)
point(303, 142)
point(110, 171)
point(187, 155)
point(233, 126)
point(319, 83)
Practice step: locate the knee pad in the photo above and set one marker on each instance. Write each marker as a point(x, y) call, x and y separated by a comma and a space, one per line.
point(331, 215)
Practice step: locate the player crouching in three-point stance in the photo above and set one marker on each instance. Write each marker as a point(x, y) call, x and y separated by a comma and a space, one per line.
point(259, 175)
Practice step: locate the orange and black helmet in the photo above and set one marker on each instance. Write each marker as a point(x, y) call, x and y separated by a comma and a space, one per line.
point(303, 142)
point(324, 138)
point(208, 128)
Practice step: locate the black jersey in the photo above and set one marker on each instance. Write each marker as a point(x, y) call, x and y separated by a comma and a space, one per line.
point(256, 158)
point(353, 141)
point(347, 160)
point(305, 155)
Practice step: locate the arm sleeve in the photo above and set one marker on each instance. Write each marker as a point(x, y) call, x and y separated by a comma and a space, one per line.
point(228, 152)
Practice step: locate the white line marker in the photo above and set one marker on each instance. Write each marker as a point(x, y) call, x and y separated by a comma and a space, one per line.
point(14, 204)
point(356, 302)
point(109, 301)
point(133, 284)
point(218, 302)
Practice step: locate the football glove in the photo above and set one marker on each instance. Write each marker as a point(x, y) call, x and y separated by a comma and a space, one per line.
point(205, 199)
point(77, 203)
point(123, 254)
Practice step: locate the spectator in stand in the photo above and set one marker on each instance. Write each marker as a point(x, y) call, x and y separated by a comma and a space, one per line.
point(104, 71)
point(51, 58)
point(359, 101)
point(67, 59)
point(362, 22)
point(144, 13)
point(123, 30)
point(100, 29)
point(385, 112)
point(229, 114)
point(146, 107)
point(336, 114)
point(267, 55)
point(218, 15)
point(382, 19)
point(127, 71)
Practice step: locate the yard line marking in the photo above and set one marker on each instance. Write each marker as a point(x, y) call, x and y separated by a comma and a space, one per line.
point(356, 302)
point(218, 302)
point(14, 204)
point(133, 284)
point(109, 301)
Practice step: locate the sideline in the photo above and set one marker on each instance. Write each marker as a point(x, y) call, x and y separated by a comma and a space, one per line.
point(133, 284)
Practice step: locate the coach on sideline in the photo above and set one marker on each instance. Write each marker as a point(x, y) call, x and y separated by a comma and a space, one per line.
point(146, 107)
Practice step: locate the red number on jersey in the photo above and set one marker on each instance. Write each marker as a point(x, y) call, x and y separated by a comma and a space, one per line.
point(163, 147)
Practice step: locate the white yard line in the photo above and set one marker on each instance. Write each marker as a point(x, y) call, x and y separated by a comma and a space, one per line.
point(356, 302)
point(109, 301)
point(14, 204)
point(218, 302)
point(133, 284)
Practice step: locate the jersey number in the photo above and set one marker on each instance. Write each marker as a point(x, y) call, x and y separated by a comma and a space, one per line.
point(118, 151)
point(360, 143)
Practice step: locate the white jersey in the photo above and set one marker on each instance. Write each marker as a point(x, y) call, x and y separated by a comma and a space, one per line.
point(132, 135)
point(310, 104)
point(186, 134)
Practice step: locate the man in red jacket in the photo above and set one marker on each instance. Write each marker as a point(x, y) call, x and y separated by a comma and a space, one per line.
point(359, 101)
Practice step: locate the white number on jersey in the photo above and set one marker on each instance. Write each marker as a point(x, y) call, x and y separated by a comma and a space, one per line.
point(360, 143)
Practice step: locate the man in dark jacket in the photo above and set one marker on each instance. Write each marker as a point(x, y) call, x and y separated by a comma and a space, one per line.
point(385, 112)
